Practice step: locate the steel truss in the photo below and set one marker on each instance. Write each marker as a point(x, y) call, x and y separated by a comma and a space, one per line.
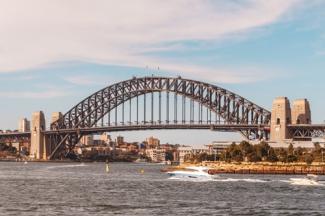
point(14, 137)
point(232, 108)
point(306, 132)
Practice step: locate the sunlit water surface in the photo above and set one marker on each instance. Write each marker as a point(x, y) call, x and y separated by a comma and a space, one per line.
point(86, 189)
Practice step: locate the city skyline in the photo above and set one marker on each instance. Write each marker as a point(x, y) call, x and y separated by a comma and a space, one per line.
point(52, 63)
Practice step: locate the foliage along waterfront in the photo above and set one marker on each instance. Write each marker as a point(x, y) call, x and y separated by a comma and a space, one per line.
point(262, 152)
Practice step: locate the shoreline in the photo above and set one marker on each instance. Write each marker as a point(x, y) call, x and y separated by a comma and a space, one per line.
point(256, 168)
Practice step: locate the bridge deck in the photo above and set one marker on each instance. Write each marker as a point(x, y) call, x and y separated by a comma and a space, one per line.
point(133, 127)
point(160, 127)
point(307, 126)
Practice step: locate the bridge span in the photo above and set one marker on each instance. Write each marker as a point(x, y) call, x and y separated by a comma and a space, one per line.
point(156, 103)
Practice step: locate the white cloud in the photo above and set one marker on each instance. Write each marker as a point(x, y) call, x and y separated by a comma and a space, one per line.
point(36, 33)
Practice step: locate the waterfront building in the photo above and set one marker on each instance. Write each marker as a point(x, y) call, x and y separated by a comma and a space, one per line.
point(156, 154)
point(196, 151)
point(153, 142)
point(105, 138)
point(218, 147)
point(93, 150)
point(183, 151)
point(87, 140)
point(24, 125)
point(119, 141)
point(132, 147)
point(167, 147)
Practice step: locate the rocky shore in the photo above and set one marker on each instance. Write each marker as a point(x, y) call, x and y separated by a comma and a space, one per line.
point(257, 168)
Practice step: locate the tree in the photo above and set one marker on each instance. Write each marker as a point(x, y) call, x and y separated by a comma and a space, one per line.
point(272, 157)
point(282, 155)
point(202, 157)
point(309, 159)
point(253, 157)
point(317, 152)
point(292, 158)
point(237, 155)
point(225, 156)
point(300, 154)
point(317, 147)
point(262, 149)
point(290, 149)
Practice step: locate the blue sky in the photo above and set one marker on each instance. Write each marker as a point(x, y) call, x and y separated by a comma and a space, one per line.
point(54, 54)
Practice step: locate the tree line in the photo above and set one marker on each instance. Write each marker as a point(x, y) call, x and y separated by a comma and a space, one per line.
point(262, 152)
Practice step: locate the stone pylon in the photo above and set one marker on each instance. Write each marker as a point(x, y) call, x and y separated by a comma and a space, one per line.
point(56, 116)
point(38, 144)
point(50, 144)
point(301, 112)
point(280, 118)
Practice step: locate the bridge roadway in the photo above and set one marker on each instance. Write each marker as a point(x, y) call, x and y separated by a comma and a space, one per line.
point(136, 127)
point(300, 131)
point(131, 127)
point(306, 131)
point(11, 135)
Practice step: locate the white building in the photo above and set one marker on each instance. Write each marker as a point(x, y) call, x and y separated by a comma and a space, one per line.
point(87, 140)
point(183, 151)
point(106, 138)
point(217, 147)
point(156, 154)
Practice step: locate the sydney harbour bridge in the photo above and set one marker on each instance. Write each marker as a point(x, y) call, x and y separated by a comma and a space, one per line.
point(149, 103)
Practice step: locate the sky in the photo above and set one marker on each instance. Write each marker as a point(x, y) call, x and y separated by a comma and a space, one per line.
point(53, 54)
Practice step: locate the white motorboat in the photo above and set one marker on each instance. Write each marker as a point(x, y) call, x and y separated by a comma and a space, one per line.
point(198, 173)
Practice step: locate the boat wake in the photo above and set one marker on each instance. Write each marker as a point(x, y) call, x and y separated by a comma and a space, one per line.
point(190, 179)
point(217, 179)
point(200, 174)
point(241, 180)
point(67, 166)
point(304, 182)
point(291, 181)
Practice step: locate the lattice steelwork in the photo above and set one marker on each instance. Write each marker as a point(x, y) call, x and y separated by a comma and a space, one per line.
point(306, 132)
point(146, 101)
point(14, 137)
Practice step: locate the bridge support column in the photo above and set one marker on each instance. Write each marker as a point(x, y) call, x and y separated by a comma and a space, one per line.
point(280, 118)
point(301, 114)
point(50, 142)
point(38, 144)
point(56, 116)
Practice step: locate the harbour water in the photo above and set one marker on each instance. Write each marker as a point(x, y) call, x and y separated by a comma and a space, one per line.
point(141, 189)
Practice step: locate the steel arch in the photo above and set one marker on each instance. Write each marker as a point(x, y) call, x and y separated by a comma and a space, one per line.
point(234, 109)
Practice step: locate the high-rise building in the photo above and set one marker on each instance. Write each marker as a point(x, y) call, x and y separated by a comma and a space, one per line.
point(153, 142)
point(24, 125)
